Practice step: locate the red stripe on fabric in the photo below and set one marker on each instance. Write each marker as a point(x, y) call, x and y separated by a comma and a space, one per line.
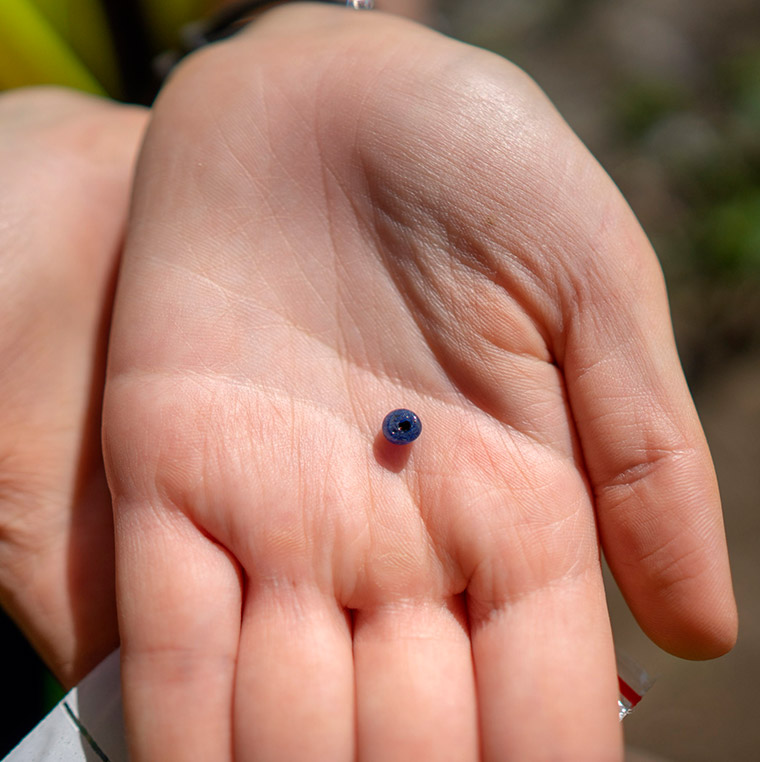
point(627, 692)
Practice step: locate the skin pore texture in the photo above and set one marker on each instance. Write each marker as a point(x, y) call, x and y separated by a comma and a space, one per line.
point(336, 214)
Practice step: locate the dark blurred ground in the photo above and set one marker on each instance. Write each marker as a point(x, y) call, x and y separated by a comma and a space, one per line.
point(28, 689)
point(666, 94)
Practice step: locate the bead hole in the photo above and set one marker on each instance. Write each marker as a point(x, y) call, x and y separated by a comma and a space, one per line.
point(404, 426)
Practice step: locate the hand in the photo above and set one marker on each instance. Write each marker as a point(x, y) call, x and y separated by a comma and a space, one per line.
point(339, 214)
point(66, 162)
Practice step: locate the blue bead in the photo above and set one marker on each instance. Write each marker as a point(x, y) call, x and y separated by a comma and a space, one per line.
point(401, 427)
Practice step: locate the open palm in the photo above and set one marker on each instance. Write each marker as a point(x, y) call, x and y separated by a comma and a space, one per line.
point(340, 214)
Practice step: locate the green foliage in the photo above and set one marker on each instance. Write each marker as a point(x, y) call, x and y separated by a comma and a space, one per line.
point(643, 104)
point(728, 236)
point(742, 82)
point(705, 140)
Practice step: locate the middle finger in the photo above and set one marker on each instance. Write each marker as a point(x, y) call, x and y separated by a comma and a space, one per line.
point(414, 683)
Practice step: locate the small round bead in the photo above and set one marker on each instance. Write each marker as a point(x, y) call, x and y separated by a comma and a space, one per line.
point(401, 426)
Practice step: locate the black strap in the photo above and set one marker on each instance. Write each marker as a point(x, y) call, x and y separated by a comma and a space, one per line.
point(133, 50)
point(224, 24)
point(142, 72)
point(229, 20)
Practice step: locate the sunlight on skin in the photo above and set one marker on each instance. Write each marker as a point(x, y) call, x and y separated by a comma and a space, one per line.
point(365, 215)
point(427, 233)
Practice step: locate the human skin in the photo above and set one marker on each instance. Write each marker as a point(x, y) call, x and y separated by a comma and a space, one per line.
point(62, 222)
point(66, 162)
point(337, 214)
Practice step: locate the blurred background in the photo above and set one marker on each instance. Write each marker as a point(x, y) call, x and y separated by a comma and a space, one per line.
point(666, 94)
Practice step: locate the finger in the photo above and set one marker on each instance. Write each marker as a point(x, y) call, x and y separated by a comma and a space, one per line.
point(414, 683)
point(654, 484)
point(294, 696)
point(545, 669)
point(179, 616)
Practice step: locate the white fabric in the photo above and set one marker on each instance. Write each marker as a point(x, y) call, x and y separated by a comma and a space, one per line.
point(86, 726)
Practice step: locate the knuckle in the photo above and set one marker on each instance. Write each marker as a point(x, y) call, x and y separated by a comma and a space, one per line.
point(642, 466)
point(629, 478)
